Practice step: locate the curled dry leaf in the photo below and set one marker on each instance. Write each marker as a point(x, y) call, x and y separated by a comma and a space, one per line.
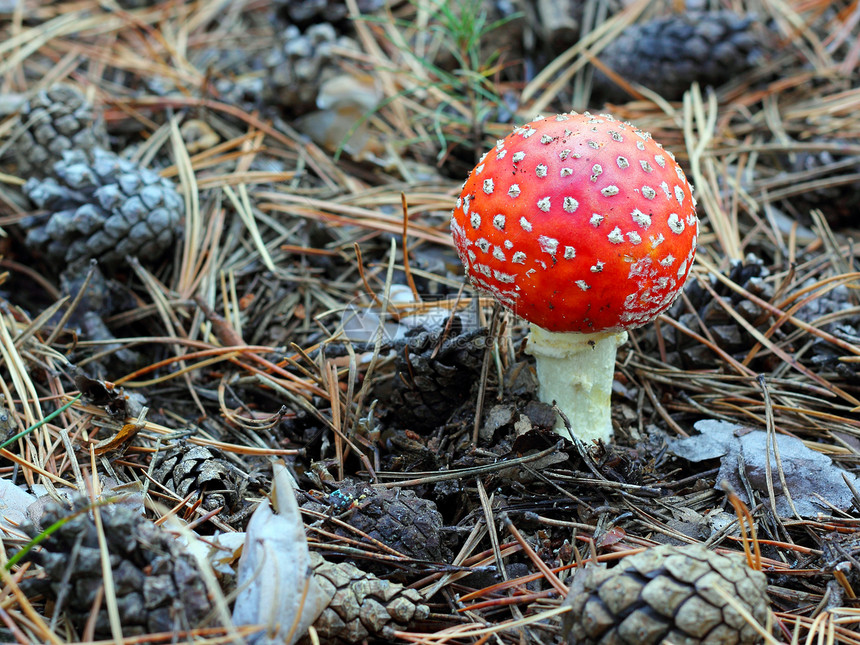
point(278, 588)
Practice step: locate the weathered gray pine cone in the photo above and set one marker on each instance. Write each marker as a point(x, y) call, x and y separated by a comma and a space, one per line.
point(434, 376)
point(668, 54)
point(839, 204)
point(104, 207)
point(308, 12)
point(54, 121)
point(301, 63)
point(157, 583)
point(397, 518)
point(188, 468)
point(667, 594)
point(362, 606)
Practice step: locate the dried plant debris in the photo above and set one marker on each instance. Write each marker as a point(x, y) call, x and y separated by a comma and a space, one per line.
point(104, 207)
point(668, 54)
point(157, 584)
point(805, 482)
point(668, 594)
point(276, 584)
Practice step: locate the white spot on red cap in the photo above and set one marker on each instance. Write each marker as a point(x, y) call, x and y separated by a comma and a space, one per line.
point(540, 170)
point(634, 237)
point(648, 192)
point(506, 278)
point(514, 190)
point(642, 219)
point(527, 225)
point(640, 267)
point(529, 132)
point(471, 254)
point(640, 145)
point(616, 136)
point(597, 267)
point(668, 261)
point(508, 244)
point(680, 174)
point(582, 284)
point(501, 154)
point(499, 222)
point(569, 204)
point(661, 160)
point(566, 172)
point(499, 254)
point(596, 219)
point(564, 154)
point(609, 191)
point(645, 165)
point(679, 194)
point(459, 203)
point(562, 117)
point(548, 244)
point(682, 270)
point(615, 236)
point(675, 223)
point(622, 162)
point(483, 244)
point(569, 253)
point(544, 204)
point(483, 268)
point(475, 220)
point(519, 258)
point(479, 169)
point(466, 201)
point(593, 144)
point(518, 156)
point(665, 187)
point(545, 139)
point(488, 186)
point(656, 240)
point(596, 171)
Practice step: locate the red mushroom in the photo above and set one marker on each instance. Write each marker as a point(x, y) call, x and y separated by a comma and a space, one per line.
point(585, 227)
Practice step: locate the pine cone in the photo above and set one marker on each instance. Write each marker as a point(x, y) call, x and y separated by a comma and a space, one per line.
point(667, 594)
point(362, 606)
point(431, 383)
point(668, 54)
point(103, 207)
point(157, 583)
point(839, 204)
point(397, 518)
point(304, 13)
point(56, 120)
point(196, 468)
point(726, 331)
point(301, 64)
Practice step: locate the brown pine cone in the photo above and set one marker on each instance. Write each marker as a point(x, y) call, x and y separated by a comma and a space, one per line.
point(434, 376)
point(188, 468)
point(397, 518)
point(667, 594)
point(362, 606)
point(157, 583)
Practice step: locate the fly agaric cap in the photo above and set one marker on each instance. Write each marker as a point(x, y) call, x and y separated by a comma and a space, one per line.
point(578, 223)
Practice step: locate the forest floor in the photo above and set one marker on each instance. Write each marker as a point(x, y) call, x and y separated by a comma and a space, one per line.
point(313, 310)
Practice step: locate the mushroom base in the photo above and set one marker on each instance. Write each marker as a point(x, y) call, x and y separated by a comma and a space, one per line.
point(575, 372)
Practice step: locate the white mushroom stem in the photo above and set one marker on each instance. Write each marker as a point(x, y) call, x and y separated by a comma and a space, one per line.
point(575, 371)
